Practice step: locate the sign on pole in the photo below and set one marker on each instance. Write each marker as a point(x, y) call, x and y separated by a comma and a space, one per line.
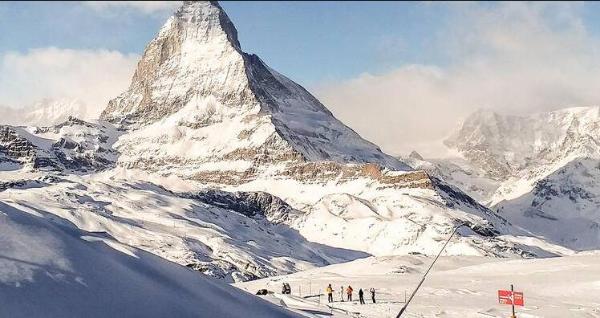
point(518, 299)
point(507, 297)
point(511, 297)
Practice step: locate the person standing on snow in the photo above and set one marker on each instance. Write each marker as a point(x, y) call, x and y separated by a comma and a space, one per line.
point(342, 293)
point(349, 292)
point(372, 294)
point(361, 297)
point(329, 293)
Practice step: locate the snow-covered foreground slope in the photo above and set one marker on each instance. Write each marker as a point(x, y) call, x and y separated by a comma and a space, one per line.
point(246, 240)
point(457, 286)
point(51, 270)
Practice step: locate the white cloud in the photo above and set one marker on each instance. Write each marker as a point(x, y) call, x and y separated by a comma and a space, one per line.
point(510, 57)
point(147, 7)
point(91, 76)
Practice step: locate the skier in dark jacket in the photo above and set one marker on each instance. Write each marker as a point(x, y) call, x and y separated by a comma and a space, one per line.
point(372, 294)
point(361, 297)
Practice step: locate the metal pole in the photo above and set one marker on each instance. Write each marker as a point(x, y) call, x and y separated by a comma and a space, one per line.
point(427, 272)
point(512, 296)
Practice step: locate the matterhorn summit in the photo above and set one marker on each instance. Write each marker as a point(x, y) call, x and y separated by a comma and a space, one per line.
point(196, 90)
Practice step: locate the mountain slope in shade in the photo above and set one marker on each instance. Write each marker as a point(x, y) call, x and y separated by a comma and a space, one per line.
point(197, 91)
point(92, 275)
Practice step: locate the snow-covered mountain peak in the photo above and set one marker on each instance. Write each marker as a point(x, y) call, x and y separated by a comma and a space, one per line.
point(194, 82)
point(196, 53)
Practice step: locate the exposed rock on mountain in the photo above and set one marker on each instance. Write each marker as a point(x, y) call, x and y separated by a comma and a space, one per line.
point(504, 146)
point(252, 204)
point(73, 145)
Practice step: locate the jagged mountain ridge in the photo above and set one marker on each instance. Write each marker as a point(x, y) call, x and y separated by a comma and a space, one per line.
point(73, 145)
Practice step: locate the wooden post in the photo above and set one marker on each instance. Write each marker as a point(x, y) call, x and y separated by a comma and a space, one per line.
point(512, 296)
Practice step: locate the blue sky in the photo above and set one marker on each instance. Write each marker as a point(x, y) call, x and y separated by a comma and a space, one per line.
point(403, 75)
point(349, 37)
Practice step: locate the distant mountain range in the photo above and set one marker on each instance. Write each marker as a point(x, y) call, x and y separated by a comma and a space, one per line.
point(539, 171)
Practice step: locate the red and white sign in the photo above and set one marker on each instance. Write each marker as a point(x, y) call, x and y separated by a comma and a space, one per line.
point(507, 297)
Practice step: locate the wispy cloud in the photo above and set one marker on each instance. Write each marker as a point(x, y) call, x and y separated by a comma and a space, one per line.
point(509, 57)
point(147, 7)
point(92, 76)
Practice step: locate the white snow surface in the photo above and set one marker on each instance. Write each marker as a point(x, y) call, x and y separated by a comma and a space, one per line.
point(222, 243)
point(51, 270)
point(177, 166)
point(200, 114)
point(458, 286)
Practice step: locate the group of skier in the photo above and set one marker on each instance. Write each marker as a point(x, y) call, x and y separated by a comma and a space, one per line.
point(349, 290)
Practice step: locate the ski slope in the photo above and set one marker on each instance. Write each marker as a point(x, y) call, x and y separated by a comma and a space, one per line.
point(458, 286)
